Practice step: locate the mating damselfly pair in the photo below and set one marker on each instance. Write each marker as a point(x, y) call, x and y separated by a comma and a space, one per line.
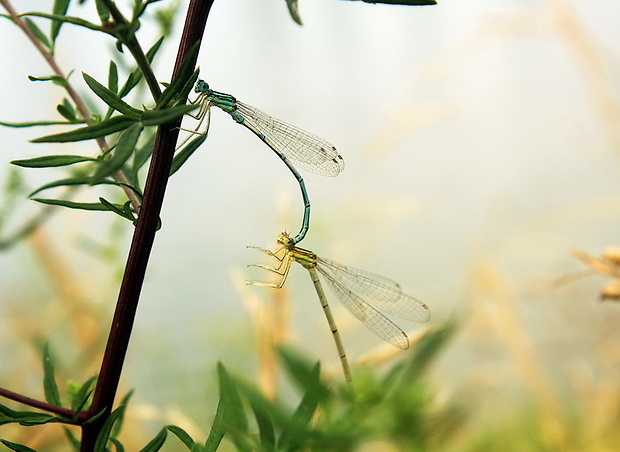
point(365, 294)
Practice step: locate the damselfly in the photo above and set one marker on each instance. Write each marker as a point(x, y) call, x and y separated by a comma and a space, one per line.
point(308, 151)
point(363, 293)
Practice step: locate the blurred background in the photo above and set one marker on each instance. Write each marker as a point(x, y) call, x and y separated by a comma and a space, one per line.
point(482, 148)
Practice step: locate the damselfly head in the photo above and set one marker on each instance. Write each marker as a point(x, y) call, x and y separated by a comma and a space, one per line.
point(202, 87)
point(285, 240)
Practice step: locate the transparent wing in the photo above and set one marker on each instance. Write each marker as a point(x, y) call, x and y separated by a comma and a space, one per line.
point(368, 315)
point(376, 290)
point(308, 151)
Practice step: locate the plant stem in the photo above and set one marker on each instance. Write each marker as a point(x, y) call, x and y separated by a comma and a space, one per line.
point(142, 243)
point(136, 50)
point(66, 412)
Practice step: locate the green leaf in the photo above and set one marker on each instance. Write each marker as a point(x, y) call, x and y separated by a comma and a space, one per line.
point(185, 73)
point(266, 430)
point(216, 434)
point(234, 414)
point(123, 404)
point(75, 443)
point(303, 373)
point(291, 439)
point(294, 11)
point(94, 206)
point(104, 128)
point(122, 151)
point(79, 400)
point(119, 210)
point(49, 380)
point(110, 97)
point(117, 444)
point(49, 161)
point(113, 77)
point(106, 429)
point(16, 447)
point(27, 418)
point(37, 32)
point(165, 115)
point(60, 8)
point(142, 154)
point(55, 79)
point(427, 349)
point(156, 443)
point(84, 180)
point(185, 153)
point(70, 20)
point(102, 11)
point(67, 110)
point(191, 82)
point(182, 435)
point(35, 123)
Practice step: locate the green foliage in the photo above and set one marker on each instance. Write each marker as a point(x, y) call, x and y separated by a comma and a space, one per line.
point(50, 387)
point(16, 447)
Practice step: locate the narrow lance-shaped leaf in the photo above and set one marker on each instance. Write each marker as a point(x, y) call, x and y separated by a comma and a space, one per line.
point(119, 210)
point(266, 430)
point(55, 79)
point(96, 206)
point(117, 444)
point(79, 400)
point(184, 74)
point(67, 110)
point(60, 8)
point(16, 447)
point(49, 380)
point(37, 32)
point(102, 11)
point(185, 153)
point(234, 415)
point(19, 125)
point(72, 20)
point(217, 428)
point(182, 435)
point(110, 98)
point(71, 181)
point(165, 115)
point(142, 154)
point(293, 10)
point(48, 161)
point(107, 127)
point(106, 429)
point(112, 84)
point(75, 443)
point(123, 150)
point(156, 443)
point(113, 77)
point(26, 417)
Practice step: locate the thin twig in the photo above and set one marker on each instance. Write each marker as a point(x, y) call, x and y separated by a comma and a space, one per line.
point(66, 412)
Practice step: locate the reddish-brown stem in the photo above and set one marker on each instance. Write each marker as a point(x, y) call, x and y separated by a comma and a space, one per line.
point(66, 412)
point(142, 243)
